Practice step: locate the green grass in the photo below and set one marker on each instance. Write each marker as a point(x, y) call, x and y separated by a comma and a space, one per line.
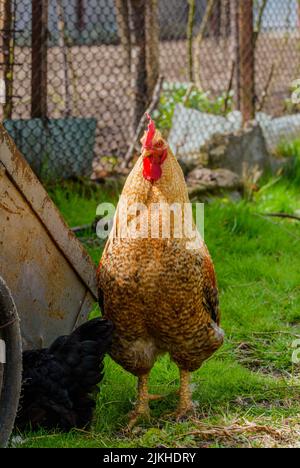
point(251, 378)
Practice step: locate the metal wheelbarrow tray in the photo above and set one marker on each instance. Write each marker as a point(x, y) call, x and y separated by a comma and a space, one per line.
point(48, 280)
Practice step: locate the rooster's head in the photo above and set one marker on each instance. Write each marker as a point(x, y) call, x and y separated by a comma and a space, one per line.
point(155, 152)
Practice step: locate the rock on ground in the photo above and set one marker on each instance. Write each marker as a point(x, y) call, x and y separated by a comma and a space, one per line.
point(208, 181)
point(238, 151)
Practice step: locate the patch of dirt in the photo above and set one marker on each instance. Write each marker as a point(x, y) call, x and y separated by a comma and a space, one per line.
point(248, 355)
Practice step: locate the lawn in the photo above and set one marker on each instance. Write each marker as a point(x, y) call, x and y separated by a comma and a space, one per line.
point(248, 393)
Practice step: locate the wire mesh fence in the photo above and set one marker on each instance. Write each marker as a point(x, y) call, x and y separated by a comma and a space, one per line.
point(79, 74)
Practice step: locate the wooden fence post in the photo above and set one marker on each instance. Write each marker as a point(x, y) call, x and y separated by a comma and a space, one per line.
point(7, 54)
point(152, 46)
point(235, 51)
point(80, 15)
point(246, 59)
point(225, 18)
point(122, 16)
point(39, 58)
point(138, 14)
point(215, 20)
point(138, 26)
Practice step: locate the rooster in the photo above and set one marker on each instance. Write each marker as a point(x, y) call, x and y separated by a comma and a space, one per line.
point(160, 293)
point(58, 382)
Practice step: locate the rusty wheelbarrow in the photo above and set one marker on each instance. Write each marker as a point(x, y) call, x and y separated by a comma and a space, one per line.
point(47, 279)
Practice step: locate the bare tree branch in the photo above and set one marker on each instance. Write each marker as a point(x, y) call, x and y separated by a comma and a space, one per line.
point(230, 87)
point(281, 215)
point(190, 28)
point(122, 16)
point(264, 95)
point(199, 40)
point(153, 104)
point(259, 21)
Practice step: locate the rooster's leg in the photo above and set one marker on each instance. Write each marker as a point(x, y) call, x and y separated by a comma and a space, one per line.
point(185, 396)
point(156, 397)
point(141, 409)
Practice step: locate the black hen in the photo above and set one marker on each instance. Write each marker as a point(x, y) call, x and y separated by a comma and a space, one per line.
point(59, 382)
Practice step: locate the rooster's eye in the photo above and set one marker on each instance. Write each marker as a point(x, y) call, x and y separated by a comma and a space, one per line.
point(159, 144)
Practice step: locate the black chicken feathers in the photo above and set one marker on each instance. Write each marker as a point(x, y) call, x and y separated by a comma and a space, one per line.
point(58, 382)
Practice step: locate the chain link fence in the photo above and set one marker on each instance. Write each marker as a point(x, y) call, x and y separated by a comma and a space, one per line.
point(79, 74)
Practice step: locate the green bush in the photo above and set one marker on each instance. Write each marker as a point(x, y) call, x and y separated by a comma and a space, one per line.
point(174, 93)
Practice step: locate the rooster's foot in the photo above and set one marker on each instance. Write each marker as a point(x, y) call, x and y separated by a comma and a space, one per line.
point(139, 414)
point(184, 412)
point(141, 410)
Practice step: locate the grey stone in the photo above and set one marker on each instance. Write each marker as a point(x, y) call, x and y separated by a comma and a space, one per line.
point(192, 128)
point(238, 151)
point(204, 181)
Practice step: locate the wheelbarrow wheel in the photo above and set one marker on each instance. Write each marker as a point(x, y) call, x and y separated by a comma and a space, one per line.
point(10, 363)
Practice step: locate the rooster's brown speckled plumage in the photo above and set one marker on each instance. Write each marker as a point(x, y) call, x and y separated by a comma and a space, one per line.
point(161, 295)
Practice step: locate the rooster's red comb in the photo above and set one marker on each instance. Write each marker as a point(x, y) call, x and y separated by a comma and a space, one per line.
point(150, 133)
